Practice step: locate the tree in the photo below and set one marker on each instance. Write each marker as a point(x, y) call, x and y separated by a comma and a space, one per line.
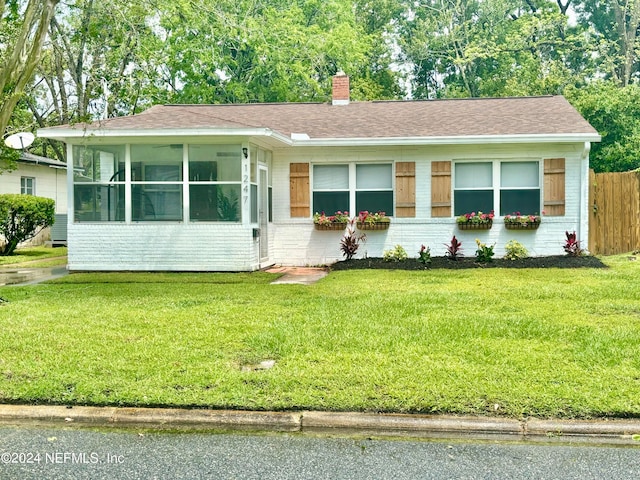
point(616, 24)
point(21, 40)
point(262, 51)
point(22, 217)
point(475, 48)
point(615, 112)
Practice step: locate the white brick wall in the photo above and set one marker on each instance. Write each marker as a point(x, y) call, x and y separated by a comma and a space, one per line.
point(296, 242)
point(170, 247)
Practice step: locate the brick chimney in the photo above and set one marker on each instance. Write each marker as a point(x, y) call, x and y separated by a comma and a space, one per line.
point(340, 93)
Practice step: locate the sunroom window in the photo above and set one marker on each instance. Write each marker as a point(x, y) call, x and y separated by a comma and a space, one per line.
point(156, 182)
point(99, 183)
point(214, 183)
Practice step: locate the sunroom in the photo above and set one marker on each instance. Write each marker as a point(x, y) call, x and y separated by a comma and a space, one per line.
point(209, 201)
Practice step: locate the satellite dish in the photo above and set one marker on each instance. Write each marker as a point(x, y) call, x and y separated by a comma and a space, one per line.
point(19, 141)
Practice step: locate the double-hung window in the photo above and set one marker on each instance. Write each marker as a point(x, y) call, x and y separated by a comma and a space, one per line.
point(27, 185)
point(519, 188)
point(331, 188)
point(374, 188)
point(501, 186)
point(353, 188)
point(473, 188)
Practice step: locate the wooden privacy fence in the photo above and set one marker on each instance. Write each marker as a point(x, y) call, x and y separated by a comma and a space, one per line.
point(614, 218)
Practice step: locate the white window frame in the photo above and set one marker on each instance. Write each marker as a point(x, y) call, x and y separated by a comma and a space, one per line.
point(496, 181)
point(28, 185)
point(352, 184)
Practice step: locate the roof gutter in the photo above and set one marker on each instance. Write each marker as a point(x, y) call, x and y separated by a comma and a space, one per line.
point(299, 140)
point(449, 140)
point(70, 134)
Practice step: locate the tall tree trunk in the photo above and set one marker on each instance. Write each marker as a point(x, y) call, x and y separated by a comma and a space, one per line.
point(19, 66)
point(628, 21)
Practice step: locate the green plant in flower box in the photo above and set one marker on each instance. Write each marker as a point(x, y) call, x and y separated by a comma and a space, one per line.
point(476, 218)
point(338, 217)
point(370, 218)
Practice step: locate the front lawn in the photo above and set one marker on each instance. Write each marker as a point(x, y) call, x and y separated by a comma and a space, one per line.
point(35, 257)
point(516, 342)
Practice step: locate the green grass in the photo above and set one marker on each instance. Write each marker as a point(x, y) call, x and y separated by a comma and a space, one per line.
point(35, 257)
point(540, 342)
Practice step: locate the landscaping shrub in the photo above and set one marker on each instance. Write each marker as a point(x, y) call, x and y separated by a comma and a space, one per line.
point(484, 253)
point(454, 249)
point(397, 254)
point(515, 250)
point(22, 217)
point(572, 245)
point(424, 255)
point(350, 241)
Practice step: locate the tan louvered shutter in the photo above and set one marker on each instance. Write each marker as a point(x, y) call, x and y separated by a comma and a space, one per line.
point(299, 190)
point(554, 186)
point(441, 189)
point(405, 189)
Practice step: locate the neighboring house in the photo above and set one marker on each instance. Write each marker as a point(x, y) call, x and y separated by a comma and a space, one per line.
point(234, 187)
point(43, 177)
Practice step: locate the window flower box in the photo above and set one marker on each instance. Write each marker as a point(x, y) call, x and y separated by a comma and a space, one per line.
point(522, 222)
point(475, 221)
point(475, 226)
point(331, 226)
point(372, 221)
point(373, 226)
point(337, 221)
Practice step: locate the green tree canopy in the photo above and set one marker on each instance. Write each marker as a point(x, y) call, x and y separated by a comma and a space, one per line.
point(615, 113)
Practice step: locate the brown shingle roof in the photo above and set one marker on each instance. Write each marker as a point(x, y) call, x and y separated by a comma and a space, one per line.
point(384, 119)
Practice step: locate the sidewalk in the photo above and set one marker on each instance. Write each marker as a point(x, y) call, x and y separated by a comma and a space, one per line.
point(618, 432)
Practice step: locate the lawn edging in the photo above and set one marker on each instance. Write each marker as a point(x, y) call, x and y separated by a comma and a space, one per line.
point(601, 431)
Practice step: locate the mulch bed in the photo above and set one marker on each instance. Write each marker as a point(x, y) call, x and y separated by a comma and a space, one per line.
point(444, 262)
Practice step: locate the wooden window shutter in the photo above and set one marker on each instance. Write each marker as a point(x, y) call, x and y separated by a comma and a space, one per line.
point(405, 189)
point(441, 189)
point(299, 190)
point(554, 186)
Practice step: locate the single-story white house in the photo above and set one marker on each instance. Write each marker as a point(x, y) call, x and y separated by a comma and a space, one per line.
point(44, 177)
point(235, 187)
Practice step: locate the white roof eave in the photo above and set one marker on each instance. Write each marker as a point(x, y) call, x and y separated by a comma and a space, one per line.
point(450, 140)
point(70, 134)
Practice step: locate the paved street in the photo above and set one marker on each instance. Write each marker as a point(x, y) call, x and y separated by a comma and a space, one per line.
point(29, 453)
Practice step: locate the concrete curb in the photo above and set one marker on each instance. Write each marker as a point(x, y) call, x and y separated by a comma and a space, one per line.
point(343, 423)
point(154, 418)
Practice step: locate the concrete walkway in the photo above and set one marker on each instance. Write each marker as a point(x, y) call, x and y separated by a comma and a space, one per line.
point(619, 432)
point(298, 275)
point(30, 276)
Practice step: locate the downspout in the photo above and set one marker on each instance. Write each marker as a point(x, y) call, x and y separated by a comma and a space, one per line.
point(583, 218)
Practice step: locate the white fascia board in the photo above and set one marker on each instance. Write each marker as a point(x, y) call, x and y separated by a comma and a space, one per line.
point(71, 134)
point(449, 140)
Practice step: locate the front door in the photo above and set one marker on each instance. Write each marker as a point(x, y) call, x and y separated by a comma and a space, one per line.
point(263, 214)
